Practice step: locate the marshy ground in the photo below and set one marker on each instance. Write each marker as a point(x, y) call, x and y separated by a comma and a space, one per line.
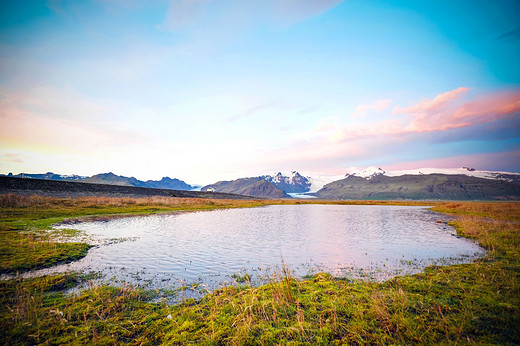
point(469, 303)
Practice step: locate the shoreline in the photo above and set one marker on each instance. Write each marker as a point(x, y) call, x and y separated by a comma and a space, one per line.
point(390, 312)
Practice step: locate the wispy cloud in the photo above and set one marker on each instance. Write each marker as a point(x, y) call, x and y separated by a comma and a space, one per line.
point(11, 157)
point(511, 35)
point(440, 114)
point(232, 16)
point(292, 11)
point(428, 106)
point(252, 110)
point(429, 115)
point(182, 14)
point(51, 121)
point(379, 105)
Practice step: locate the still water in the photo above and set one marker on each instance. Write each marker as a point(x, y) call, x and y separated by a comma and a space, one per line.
point(209, 247)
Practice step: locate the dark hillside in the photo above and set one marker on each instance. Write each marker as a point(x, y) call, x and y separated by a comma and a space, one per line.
point(425, 187)
point(76, 189)
point(255, 187)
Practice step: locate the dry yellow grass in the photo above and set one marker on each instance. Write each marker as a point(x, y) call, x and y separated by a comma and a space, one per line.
point(17, 201)
point(502, 210)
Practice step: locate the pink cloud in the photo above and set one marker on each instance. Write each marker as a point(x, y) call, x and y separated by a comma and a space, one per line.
point(444, 112)
point(445, 115)
point(379, 105)
point(11, 157)
point(333, 141)
point(490, 107)
point(427, 106)
point(52, 122)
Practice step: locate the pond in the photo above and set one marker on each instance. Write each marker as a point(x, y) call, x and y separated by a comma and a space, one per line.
point(215, 247)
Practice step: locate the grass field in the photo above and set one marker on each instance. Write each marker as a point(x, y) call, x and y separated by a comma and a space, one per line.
point(470, 303)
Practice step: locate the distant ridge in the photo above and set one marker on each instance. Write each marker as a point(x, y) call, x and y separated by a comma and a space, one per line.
point(62, 188)
point(464, 183)
point(48, 175)
point(112, 179)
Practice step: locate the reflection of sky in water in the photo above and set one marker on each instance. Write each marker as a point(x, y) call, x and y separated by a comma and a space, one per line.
point(209, 246)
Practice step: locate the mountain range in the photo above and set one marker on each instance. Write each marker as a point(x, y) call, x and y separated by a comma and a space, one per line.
point(370, 183)
point(271, 186)
point(112, 179)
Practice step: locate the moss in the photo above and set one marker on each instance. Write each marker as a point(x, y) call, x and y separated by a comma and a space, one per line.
point(20, 252)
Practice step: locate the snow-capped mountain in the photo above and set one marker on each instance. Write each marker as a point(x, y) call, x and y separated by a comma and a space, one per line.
point(370, 172)
point(291, 183)
point(425, 184)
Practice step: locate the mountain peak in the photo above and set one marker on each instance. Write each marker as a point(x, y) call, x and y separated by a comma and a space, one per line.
point(292, 183)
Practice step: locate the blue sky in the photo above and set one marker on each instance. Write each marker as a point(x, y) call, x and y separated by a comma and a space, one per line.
point(205, 90)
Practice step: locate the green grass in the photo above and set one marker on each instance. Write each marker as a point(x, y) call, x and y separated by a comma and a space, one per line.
point(476, 303)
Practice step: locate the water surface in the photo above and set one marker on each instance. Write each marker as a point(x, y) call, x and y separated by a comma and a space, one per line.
point(209, 247)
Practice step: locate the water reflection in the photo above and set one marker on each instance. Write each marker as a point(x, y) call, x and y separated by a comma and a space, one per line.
point(209, 247)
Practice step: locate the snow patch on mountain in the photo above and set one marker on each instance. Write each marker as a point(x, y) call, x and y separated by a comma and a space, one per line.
point(507, 176)
point(366, 173)
point(371, 172)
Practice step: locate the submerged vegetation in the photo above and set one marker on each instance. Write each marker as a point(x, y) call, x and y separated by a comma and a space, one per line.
point(469, 303)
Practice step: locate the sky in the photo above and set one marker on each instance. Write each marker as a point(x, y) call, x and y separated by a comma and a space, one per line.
point(208, 90)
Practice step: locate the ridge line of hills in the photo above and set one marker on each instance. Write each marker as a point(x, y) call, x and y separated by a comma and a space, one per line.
point(65, 188)
point(372, 183)
point(112, 179)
